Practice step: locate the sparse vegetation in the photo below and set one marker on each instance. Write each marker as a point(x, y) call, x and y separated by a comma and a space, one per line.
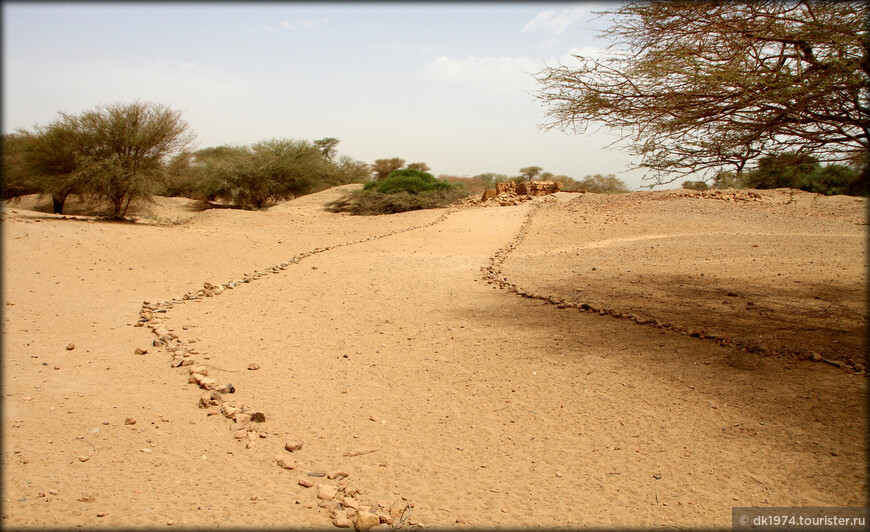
point(695, 185)
point(602, 184)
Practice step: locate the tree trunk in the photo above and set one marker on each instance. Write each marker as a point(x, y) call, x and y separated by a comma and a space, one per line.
point(126, 206)
point(119, 205)
point(58, 200)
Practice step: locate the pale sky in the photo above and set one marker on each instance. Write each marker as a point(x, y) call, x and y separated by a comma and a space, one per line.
point(449, 84)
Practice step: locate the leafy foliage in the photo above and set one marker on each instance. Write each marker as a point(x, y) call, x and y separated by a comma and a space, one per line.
point(17, 181)
point(407, 180)
point(804, 172)
point(369, 202)
point(695, 185)
point(384, 167)
point(603, 184)
point(405, 189)
point(114, 152)
point(530, 172)
point(701, 86)
point(256, 176)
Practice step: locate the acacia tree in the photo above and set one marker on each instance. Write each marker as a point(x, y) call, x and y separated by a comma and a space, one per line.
point(123, 149)
point(384, 167)
point(423, 167)
point(704, 86)
point(327, 147)
point(530, 172)
point(17, 180)
point(256, 176)
point(50, 161)
point(115, 152)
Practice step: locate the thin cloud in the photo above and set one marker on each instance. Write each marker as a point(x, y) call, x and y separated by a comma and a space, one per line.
point(304, 23)
point(554, 23)
point(502, 72)
point(549, 43)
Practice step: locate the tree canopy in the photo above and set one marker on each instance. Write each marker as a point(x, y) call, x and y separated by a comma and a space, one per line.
point(116, 152)
point(696, 87)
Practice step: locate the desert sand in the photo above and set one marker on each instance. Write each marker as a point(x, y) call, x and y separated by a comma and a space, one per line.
point(579, 360)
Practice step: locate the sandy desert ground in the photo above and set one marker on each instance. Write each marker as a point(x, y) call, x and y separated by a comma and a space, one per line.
point(580, 360)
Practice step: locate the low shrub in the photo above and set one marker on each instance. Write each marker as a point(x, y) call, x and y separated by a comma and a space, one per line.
point(408, 180)
point(369, 202)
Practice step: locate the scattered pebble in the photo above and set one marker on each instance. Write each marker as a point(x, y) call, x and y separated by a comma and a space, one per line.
point(252, 366)
point(70, 347)
point(327, 492)
point(286, 463)
point(336, 474)
point(129, 421)
point(366, 520)
point(293, 446)
point(304, 482)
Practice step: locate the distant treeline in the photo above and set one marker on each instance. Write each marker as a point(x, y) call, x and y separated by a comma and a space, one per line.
point(789, 170)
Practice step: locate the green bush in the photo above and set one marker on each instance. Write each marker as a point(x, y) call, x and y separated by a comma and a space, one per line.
point(408, 180)
point(695, 185)
point(369, 202)
point(804, 172)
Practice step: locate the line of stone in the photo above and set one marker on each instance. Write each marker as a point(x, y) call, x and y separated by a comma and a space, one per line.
point(340, 499)
point(493, 275)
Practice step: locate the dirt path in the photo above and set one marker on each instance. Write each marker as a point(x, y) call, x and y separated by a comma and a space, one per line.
point(393, 360)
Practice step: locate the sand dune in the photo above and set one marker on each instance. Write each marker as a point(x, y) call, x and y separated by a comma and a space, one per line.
point(397, 350)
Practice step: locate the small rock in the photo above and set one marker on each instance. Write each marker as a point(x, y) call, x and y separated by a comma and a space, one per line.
point(202, 370)
point(304, 482)
point(859, 368)
point(207, 383)
point(293, 446)
point(350, 502)
point(140, 351)
point(657, 476)
point(252, 366)
point(70, 347)
point(226, 388)
point(327, 492)
point(242, 417)
point(146, 451)
point(336, 474)
point(815, 357)
point(461, 521)
point(316, 474)
point(285, 462)
point(129, 421)
point(84, 458)
point(340, 520)
point(365, 521)
point(258, 417)
point(102, 514)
